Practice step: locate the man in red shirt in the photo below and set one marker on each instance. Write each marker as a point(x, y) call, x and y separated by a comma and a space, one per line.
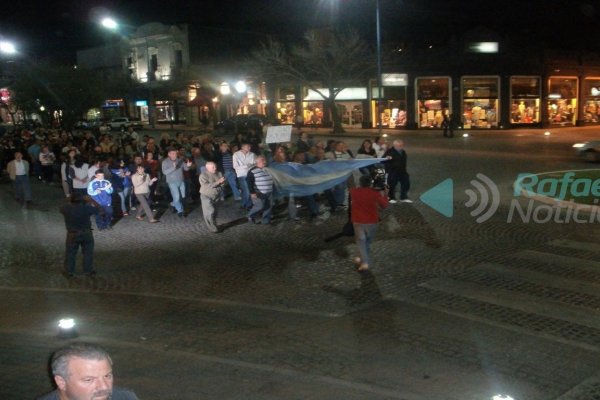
point(365, 203)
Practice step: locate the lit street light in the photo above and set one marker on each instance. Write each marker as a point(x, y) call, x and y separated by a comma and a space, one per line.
point(7, 47)
point(109, 23)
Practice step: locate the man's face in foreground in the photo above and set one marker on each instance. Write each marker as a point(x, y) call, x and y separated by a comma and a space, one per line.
point(87, 380)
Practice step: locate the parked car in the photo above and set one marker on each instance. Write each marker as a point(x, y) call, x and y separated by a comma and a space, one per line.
point(122, 123)
point(589, 151)
point(88, 124)
point(241, 123)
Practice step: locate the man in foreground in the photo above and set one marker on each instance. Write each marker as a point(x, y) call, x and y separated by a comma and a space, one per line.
point(83, 371)
point(77, 215)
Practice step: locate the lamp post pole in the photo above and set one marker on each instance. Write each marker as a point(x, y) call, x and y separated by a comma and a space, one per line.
point(379, 83)
point(150, 82)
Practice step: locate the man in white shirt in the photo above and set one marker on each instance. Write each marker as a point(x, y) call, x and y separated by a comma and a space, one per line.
point(243, 160)
point(18, 170)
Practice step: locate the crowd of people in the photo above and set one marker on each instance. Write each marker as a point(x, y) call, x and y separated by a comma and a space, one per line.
point(123, 172)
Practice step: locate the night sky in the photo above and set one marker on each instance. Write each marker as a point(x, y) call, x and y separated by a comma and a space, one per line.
point(57, 29)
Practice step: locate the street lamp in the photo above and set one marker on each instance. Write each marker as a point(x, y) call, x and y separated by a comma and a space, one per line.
point(7, 47)
point(379, 84)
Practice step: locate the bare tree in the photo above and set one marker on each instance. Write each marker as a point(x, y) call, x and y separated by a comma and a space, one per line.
point(333, 60)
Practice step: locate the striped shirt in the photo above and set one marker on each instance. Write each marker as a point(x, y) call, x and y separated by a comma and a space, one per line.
point(226, 161)
point(262, 180)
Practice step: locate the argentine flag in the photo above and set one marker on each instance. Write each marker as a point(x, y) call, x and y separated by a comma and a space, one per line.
point(306, 179)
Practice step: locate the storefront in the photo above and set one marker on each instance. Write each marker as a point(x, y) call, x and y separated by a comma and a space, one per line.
point(113, 108)
point(480, 101)
point(562, 100)
point(433, 100)
point(525, 97)
point(286, 105)
point(591, 100)
point(393, 101)
point(165, 111)
point(349, 103)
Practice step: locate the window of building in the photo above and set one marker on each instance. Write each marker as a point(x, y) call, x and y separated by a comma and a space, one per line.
point(178, 59)
point(591, 99)
point(562, 100)
point(480, 95)
point(525, 92)
point(433, 100)
point(286, 105)
point(393, 107)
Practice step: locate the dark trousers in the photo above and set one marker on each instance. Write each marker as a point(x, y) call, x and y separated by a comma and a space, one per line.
point(47, 171)
point(104, 218)
point(262, 204)
point(75, 239)
point(395, 178)
point(22, 188)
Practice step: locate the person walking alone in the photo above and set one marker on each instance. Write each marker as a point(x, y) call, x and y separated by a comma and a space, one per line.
point(447, 126)
point(364, 206)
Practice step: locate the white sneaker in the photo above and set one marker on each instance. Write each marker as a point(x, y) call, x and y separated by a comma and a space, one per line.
point(392, 201)
point(406, 201)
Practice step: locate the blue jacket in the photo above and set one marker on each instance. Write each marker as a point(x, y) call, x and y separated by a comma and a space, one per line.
point(100, 195)
point(119, 182)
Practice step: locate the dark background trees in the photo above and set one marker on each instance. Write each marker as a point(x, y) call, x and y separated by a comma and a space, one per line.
point(325, 59)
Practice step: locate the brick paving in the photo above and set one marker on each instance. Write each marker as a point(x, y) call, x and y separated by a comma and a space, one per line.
point(274, 312)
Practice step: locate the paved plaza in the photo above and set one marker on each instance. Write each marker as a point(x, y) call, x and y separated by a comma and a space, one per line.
point(451, 309)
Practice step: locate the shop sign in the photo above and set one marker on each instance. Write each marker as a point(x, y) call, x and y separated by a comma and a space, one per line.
point(595, 91)
point(290, 97)
point(356, 93)
point(554, 96)
point(394, 79)
point(483, 47)
point(141, 103)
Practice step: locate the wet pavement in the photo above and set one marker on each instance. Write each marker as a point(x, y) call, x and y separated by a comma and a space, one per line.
point(451, 308)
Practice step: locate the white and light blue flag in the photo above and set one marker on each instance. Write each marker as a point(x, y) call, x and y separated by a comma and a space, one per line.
point(306, 179)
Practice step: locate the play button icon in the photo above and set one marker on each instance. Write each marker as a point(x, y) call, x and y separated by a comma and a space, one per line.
point(441, 197)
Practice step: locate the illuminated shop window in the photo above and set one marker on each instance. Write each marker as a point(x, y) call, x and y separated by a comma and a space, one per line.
point(433, 101)
point(525, 94)
point(562, 100)
point(480, 95)
point(591, 100)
